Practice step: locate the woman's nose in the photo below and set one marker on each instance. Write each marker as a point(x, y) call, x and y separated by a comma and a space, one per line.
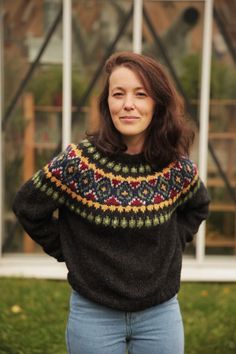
point(129, 103)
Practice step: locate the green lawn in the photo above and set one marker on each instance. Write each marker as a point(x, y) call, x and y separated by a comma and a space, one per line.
point(33, 316)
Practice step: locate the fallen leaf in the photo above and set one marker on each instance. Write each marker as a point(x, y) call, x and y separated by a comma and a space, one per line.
point(226, 290)
point(204, 293)
point(16, 309)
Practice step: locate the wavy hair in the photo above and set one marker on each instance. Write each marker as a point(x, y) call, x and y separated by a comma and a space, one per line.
point(169, 135)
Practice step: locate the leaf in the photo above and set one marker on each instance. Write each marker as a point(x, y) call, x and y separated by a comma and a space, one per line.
point(226, 290)
point(204, 293)
point(16, 309)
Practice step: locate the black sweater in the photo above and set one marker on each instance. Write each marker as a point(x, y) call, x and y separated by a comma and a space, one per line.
point(121, 227)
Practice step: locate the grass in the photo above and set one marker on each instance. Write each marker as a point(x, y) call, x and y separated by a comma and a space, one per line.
point(33, 315)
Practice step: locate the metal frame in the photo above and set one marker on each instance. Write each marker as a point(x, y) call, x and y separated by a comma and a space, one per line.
point(67, 63)
point(199, 268)
point(204, 114)
point(137, 26)
point(1, 117)
point(225, 35)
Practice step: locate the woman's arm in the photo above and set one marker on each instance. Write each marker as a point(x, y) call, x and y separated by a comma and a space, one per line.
point(192, 212)
point(39, 197)
point(34, 210)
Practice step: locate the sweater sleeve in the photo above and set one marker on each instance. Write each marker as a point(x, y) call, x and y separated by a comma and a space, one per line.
point(194, 208)
point(36, 201)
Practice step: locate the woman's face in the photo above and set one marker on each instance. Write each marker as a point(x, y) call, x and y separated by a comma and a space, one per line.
point(130, 105)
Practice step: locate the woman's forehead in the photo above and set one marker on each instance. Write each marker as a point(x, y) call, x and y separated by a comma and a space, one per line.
point(125, 76)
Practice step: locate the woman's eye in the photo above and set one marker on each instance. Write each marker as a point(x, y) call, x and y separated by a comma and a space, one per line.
point(117, 94)
point(141, 94)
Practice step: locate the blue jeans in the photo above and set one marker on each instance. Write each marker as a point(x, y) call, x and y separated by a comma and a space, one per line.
point(96, 329)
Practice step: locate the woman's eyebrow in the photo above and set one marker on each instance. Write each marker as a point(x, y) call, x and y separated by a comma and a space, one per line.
point(122, 88)
point(118, 88)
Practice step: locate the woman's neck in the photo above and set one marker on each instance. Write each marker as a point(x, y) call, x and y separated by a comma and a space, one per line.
point(134, 145)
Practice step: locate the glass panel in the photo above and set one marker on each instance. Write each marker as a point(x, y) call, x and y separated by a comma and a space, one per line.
point(99, 29)
point(32, 131)
point(221, 226)
point(172, 33)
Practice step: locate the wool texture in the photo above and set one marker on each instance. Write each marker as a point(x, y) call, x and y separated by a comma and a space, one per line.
point(121, 227)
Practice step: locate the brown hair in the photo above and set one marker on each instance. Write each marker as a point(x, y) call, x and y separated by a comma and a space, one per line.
point(168, 135)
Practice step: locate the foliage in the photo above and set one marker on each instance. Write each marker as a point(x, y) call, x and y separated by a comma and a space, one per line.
point(46, 85)
point(190, 75)
point(223, 78)
point(33, 315)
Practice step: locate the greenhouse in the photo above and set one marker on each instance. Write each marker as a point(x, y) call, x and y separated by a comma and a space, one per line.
point(53, 52)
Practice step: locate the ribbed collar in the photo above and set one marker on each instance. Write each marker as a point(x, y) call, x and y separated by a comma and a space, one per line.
point(129, 159)
point(121, 158)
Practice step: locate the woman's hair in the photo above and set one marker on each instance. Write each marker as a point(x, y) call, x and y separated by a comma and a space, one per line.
point(168, 136)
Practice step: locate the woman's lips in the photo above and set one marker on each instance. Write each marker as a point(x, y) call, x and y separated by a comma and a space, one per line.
point(129, 119)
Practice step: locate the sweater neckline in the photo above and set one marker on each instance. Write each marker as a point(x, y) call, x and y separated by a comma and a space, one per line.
point(130, 159)
point(121, 160)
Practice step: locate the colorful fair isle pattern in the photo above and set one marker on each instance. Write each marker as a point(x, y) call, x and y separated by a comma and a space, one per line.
point(114, 194)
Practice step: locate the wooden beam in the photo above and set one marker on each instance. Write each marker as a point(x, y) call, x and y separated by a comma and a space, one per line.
point(28, 153)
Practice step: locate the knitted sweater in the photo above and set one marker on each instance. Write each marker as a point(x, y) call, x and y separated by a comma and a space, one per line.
point(121, 227)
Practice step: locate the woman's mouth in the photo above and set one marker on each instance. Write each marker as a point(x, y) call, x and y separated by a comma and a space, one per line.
point(129, 119)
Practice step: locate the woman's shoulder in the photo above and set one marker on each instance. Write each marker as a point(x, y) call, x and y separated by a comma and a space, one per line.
point(183, 166)
point(188, 167)
point(71, 152)
point(183, 173)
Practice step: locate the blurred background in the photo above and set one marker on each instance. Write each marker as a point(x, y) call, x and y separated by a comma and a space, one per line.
point(31, 44)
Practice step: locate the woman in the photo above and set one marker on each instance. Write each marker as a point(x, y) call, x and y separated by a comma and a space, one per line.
point(129, 199)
